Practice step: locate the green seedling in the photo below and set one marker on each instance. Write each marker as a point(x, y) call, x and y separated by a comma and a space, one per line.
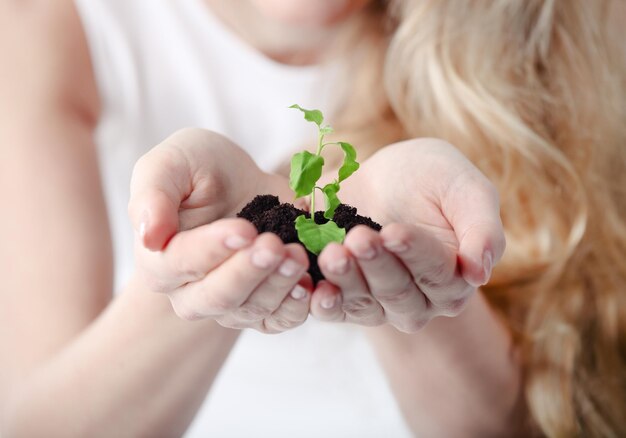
point(306, 170)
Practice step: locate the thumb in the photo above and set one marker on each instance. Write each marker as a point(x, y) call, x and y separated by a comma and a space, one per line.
point(159, 184)
point(472, 207)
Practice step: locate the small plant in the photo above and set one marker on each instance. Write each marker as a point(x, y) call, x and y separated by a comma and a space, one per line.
point(306, 170)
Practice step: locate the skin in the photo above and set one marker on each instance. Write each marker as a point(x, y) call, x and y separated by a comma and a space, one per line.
point(295, 33)
point(180, 191)
point(76, 362)
point(83, 364)
point(313, 15)
point(426, 263)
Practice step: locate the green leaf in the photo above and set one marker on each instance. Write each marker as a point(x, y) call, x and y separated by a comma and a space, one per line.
point(315, 237)
point(314, 116)
point(332, 201)
point(306, 169)
point(349, 165)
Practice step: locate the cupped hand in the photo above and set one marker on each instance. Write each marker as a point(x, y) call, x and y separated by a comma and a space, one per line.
point(441, 237)
point(193, 178)
point(187, 246)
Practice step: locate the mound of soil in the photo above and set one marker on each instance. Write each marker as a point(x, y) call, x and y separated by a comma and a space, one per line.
point(269, 215)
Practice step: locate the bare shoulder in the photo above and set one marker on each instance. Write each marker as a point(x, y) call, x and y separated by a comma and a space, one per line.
point(45, 57)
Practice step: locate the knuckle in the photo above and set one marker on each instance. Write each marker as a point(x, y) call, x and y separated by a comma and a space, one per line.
point(412, 326)
point(437, 275)
point(266, 329)
point(184, 311)
point(282, 323)
point(335, 314)
point(453, 307)
point(232, 323)
point(253, 312)
point(330, 317)
point(397, 296)
point(359, 307)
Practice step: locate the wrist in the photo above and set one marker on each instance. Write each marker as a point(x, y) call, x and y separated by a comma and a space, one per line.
point(453, 335)
point(157, 308)
point(473, 351)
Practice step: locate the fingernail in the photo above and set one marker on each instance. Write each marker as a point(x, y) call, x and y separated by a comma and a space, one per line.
point(236, 242)
point(339, 266)
point(263, 258)
point(298, 292)
point(487, 265)
point(366, 253)
point(328, 302)
point(396, 246)
point(289, 268)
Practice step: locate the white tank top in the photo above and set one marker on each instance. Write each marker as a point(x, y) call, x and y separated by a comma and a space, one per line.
point(162, 65)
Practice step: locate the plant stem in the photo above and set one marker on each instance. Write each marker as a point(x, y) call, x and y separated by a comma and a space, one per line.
point(320, 146)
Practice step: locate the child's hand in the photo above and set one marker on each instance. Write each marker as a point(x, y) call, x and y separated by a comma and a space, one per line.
point(209, 265)
point(442, 235)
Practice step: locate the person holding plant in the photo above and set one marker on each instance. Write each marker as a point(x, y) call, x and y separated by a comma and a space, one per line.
point(475, 124)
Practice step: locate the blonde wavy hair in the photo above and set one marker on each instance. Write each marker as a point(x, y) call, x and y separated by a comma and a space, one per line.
point(533, 92)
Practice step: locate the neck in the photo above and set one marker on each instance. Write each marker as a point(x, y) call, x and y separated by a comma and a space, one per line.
point(293, 45)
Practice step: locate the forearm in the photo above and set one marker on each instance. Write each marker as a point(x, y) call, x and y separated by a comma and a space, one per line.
point(456, 377)
point(136, 371)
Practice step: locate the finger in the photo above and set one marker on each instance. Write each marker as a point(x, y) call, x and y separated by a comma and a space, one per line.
point(161, 180)
point(191, 254)
point(227, 287)
point(431, 263)
point(341, 269)
point(471, 205)
point(230, 321)
point(388, 280)
point(291, 313)
point(269, 295)
point(326, 303)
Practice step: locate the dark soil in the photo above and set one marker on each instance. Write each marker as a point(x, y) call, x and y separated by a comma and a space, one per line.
point(268, 214)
